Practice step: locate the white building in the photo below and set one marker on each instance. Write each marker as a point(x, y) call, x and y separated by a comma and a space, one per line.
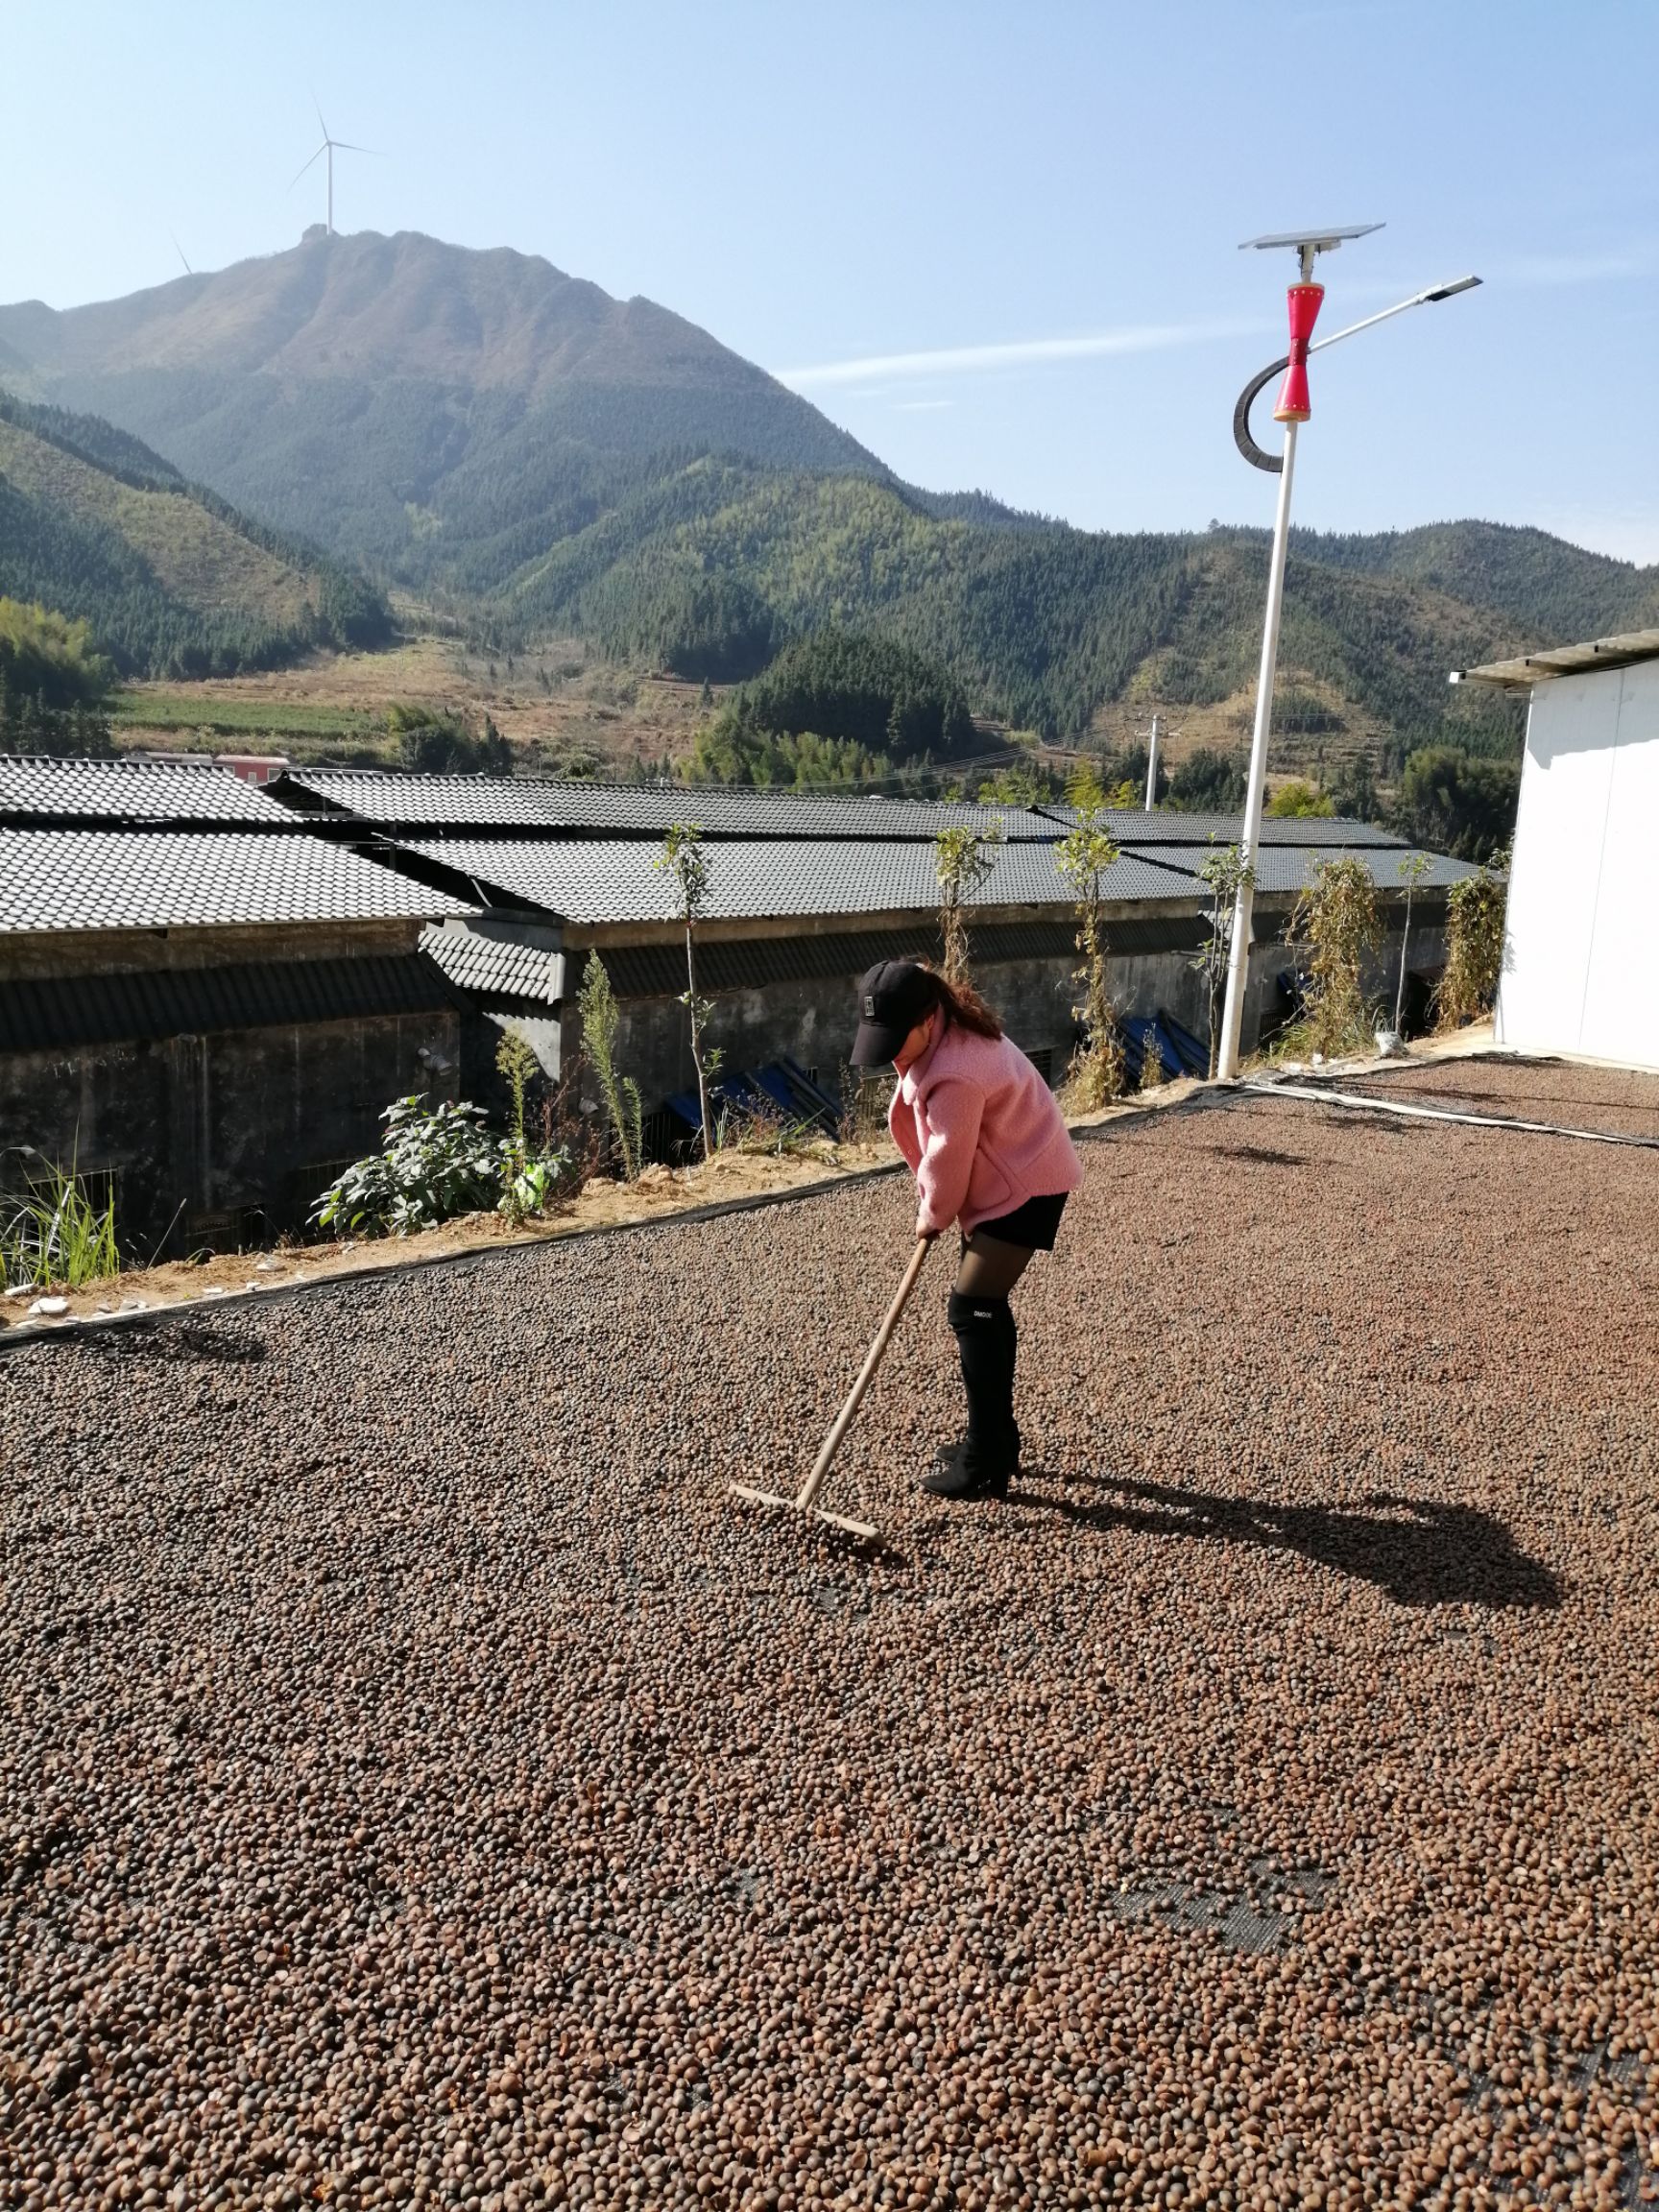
point(1580, 969)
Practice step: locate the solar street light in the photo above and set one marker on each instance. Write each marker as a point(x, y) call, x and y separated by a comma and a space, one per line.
point(1292, 407)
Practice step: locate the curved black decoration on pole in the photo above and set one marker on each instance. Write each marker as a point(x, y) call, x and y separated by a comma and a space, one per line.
point(1241, 438)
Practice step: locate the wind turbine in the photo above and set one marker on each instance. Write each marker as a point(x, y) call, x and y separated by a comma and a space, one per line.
point(329, 147)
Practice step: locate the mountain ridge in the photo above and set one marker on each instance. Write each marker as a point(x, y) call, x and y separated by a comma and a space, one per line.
point(396, 399)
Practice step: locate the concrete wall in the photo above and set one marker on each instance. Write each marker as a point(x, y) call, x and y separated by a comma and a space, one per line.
point(233, 1134)
point(812, 1022)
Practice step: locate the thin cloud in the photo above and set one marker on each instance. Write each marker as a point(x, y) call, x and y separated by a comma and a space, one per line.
point(969, 360)
point(920, 406)
point(1546, 269)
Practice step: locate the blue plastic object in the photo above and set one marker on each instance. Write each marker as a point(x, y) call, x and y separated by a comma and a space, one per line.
point(782, 1085)
point(1179, 1051)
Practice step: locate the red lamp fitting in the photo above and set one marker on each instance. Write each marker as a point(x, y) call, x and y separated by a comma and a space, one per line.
point(1304, 302)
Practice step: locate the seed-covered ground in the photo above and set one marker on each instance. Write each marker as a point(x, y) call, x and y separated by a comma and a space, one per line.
point(423, 1785)
point(1619, 1101)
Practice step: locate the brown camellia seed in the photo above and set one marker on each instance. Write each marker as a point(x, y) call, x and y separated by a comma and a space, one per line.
point(422, 1784)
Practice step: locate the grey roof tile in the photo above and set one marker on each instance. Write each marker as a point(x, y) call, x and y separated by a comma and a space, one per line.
point(604, 880)
point(498, 967)
point(1163, 826)
point(1283, 867)
point(128, 790)
point(144, 880)
point(1290, 867)
point(508, 803)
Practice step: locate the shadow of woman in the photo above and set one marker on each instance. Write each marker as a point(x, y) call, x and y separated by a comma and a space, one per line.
point(1418, 1551)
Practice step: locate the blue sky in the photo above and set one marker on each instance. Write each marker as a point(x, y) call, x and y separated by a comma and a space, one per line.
point(997, 242)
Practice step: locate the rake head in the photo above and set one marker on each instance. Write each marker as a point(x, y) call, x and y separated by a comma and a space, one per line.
point(860, 1529)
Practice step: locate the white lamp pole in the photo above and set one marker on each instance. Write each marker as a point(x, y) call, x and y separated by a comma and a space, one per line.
point(1292, 410)
point(1255, 792)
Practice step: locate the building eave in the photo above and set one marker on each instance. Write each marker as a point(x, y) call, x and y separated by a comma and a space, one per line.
point(1591, 657)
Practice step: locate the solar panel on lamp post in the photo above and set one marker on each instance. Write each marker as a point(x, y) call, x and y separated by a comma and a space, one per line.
point(1292, 408)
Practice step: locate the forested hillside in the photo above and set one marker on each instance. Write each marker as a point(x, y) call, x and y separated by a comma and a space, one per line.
point(1045, 626)
point(837, 708)
point(1534, 579)
point(168, 579)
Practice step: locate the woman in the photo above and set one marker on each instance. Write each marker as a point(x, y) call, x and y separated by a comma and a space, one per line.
point(989, 1149)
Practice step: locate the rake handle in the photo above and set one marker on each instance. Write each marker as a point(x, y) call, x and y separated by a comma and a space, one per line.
point(873, 1358)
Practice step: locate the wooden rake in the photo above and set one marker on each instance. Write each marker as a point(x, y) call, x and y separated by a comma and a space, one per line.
point(807, 1501)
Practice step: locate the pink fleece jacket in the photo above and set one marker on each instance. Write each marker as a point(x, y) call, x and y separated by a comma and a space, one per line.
point(980, 1130)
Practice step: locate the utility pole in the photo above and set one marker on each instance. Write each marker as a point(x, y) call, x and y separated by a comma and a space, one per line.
point(1153, 737)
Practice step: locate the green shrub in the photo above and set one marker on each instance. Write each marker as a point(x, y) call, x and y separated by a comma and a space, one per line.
point(436, 1163)
point(1209, 782)
point(1300, 801)
point(601, 1020)
point(836, 706)
point(1451, 801)
point(432, 743)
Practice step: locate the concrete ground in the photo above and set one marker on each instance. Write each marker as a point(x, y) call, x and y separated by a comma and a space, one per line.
point(424, 1784)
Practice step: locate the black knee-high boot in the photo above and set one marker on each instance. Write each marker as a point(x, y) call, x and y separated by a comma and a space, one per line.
point(984, 1333)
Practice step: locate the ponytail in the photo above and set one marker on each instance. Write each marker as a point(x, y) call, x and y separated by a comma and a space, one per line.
point(962, 1004)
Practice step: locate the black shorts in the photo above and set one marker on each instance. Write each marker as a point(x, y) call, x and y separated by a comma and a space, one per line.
point(1033, 1226)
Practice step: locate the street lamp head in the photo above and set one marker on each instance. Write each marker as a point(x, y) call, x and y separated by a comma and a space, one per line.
point(1446, 290)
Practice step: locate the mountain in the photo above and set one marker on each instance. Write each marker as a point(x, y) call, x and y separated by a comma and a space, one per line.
point(404, 401)
point(171, 580)
point(512, 444)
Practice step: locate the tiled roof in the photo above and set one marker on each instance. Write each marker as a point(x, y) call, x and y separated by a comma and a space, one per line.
point(1162, 827)
point(508, 803)
point(132, 790)
point(602, 880)
point(1290, 867)
point(142, 880)
point(498, 967)
point(95, 844)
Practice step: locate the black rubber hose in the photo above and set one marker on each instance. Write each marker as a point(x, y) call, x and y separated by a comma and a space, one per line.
point(1273, 463)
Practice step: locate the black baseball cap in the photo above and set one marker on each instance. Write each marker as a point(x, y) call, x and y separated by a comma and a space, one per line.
point(892, 999)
